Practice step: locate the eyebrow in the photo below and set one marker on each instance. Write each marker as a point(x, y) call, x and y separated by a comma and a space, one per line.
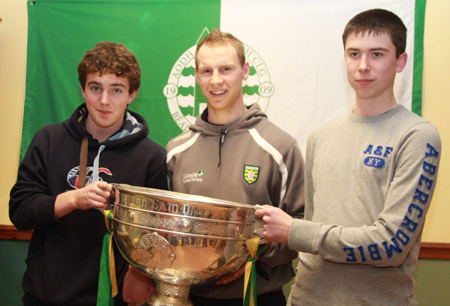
point(371, 49)
point(110, 85)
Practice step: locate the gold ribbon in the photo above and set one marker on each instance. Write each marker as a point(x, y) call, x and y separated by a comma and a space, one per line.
point(107, 282)
point(112, 264)
point(250, 288)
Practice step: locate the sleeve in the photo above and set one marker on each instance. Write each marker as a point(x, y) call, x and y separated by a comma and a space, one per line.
point(276, 254)
point(30, 205)
point(398, 227)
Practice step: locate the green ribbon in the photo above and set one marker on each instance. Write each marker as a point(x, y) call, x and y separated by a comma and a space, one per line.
point(250, 286)
point(107, 289)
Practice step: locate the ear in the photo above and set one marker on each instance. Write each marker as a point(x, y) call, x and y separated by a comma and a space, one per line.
point(245, 71)
point(83, 92)
point(132, 96)
point(196, 75)
point(401, 62)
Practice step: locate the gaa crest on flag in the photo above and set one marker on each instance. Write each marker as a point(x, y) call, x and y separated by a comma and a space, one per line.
point(251, 174)
point(185, 98)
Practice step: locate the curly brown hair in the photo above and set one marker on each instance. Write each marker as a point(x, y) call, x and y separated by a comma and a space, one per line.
point(110, 57)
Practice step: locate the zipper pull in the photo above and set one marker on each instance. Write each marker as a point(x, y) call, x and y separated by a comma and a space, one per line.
point(223, 133)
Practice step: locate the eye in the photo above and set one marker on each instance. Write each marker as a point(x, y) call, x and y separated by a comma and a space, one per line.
point(354, 54)
point(206, 71)
point(95, 88)
point(377, 54)
point(116, 90)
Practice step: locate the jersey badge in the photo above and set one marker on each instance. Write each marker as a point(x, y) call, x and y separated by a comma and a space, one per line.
point(251, 174)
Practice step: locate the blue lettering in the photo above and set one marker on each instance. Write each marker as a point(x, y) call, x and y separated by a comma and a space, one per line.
point(388, 151)
point(368, 150)
point(374, 252)
point(421, 196)
point(430, 168)
point(432, 151)
point(416, 207)
point(409, 224)
point(378, 151)
point(351, 254)
point(391, 248)
point(361, 251)
point(427, 181)
point(401, 235)
point(374, 162)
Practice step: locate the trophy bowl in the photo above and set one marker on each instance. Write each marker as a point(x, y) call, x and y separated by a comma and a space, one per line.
point(181, 240)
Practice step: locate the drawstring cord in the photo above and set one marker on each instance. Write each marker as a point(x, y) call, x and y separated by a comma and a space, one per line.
point(83, 163)
point(223, 133)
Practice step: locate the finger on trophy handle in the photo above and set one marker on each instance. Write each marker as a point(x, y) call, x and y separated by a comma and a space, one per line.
point(259, 227)
point(114, 192)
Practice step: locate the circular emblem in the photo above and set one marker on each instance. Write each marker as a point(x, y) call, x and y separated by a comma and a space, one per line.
point(153, 251)
point(185, 98)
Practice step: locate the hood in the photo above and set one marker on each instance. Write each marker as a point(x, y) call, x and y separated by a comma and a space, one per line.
point(249, 119)
point(134, 127)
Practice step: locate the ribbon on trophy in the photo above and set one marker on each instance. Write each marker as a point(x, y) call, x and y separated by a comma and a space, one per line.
point(250, 292)
point(107, 283)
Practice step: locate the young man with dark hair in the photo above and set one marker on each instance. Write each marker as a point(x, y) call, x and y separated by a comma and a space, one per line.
point(62, 184)
point(370, 177)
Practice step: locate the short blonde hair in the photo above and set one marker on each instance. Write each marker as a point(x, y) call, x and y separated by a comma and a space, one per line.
point(217, 37)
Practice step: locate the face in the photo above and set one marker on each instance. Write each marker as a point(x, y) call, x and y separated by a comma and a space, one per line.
point(107, 97)
point(372, 65)
point(220, 76)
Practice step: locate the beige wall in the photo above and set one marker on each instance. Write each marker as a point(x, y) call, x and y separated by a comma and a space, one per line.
point(436, 108)
point(436, 102)
point(13, 38)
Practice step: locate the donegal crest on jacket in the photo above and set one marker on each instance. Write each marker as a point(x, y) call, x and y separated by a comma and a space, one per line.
point(251, 174)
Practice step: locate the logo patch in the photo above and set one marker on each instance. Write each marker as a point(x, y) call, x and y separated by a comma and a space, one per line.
point(72, 176)
point(375, 162)
point(251, 174)
point(193, 177)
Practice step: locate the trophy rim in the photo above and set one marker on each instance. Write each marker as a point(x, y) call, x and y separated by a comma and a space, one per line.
point(147, 191)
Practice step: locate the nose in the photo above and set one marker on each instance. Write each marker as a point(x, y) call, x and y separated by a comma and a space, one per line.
point(364, 64)
point(104, 98)
point(216, 79)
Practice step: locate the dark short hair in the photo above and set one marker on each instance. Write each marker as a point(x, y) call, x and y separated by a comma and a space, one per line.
point(217, 37)
point(109, 57)
point(378, 21)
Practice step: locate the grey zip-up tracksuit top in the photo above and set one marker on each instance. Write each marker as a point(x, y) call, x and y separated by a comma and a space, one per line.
point(248, 161)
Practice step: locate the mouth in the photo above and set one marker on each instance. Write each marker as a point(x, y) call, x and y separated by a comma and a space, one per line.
point(102, 112)
point(364, 82)
point(218, 92)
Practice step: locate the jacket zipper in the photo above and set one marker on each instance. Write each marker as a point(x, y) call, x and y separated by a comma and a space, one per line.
point(223, 133)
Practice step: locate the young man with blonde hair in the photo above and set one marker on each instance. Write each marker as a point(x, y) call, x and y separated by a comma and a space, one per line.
point(233, 152)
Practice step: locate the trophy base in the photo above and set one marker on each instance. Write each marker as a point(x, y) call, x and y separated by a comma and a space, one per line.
point(171, 295)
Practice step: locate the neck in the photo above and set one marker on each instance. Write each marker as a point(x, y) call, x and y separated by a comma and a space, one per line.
point(99, 133)
point(226, 116)
point(374, 107)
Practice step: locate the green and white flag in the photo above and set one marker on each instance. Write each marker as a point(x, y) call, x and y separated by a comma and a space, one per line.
point(294, 48)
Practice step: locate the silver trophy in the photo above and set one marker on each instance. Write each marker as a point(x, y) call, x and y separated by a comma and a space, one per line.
point(179, 239)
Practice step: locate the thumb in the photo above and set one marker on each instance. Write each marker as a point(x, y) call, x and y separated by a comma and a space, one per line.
point(104, 186)
point(259, 213)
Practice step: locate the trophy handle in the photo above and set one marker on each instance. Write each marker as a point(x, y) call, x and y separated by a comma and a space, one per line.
point(259, 227)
